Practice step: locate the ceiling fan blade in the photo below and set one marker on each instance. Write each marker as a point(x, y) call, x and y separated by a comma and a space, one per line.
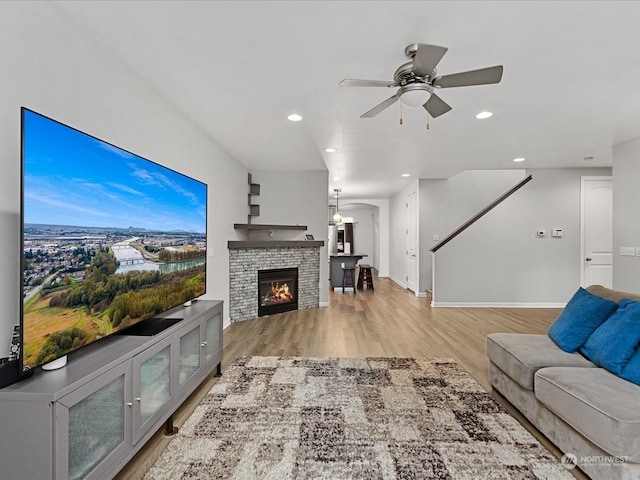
point(380, 107)
point(482, 76)
point(436, 106)
point(349, 82)
point(426, 59)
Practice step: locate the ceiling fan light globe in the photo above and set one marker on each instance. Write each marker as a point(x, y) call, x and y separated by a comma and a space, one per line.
point(415, 98)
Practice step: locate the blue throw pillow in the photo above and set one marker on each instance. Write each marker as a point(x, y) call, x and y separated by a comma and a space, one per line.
point(583, 314)
point(614, 342)
point(631, 370)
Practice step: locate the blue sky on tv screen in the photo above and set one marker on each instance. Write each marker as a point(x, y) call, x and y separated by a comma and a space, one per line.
point(71, 178)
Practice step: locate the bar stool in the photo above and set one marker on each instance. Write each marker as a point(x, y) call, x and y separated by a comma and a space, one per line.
point(349, 278)
point(365, 277)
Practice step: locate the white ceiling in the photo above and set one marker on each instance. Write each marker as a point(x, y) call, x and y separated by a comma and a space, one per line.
point(570, 87)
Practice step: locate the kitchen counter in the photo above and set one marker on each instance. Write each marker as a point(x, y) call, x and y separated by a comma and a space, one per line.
point(336, 273)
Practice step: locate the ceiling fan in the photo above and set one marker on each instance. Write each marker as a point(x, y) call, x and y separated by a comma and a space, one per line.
point(417, 81)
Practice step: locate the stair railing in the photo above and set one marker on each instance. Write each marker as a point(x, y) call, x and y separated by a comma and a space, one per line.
point(480, 214)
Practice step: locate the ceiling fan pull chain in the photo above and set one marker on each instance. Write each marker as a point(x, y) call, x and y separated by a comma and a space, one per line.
point(400, 113)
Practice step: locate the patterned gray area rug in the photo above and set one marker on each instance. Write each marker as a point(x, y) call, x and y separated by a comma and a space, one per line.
point(352, 418)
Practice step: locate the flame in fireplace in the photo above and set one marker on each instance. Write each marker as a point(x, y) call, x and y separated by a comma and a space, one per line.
point(276, 294)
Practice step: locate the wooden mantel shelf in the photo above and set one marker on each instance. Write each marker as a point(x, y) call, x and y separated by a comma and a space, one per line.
point(235, 244)
point(257, 226)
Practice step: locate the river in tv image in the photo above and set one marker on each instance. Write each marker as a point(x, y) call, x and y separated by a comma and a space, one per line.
point(129, 259)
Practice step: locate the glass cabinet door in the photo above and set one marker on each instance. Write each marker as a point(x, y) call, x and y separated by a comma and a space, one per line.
point(189, 360)
point(155, 383)
point(93, 424)
point(189, 354)
point(213, 339)
point(152, 386)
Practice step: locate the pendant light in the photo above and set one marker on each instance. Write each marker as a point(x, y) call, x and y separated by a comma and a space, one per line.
point(337, 218)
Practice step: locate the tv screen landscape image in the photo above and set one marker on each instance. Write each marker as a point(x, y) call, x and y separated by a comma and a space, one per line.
point(109, 239)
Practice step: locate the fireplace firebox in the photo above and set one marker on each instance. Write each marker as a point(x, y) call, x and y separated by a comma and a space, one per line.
point(277, 291)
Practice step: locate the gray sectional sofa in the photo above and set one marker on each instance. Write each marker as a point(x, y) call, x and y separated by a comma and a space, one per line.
point(590, 414)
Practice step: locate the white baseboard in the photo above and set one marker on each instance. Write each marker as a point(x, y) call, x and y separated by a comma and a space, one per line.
point(323, 304)
point(497, 305)
point(403, 285)
point(226, 323)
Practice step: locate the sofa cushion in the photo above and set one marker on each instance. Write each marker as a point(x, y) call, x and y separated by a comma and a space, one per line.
point(520, 355)
point(583, 314)
point(596, 403)
point(613, 343)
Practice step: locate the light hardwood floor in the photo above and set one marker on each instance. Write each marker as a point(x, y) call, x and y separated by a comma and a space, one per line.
point(389, 322)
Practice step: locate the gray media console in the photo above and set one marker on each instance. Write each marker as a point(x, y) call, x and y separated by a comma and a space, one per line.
point(88, 419)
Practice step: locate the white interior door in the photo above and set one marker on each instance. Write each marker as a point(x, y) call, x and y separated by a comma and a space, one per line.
point(411, 241)
point(597, 231)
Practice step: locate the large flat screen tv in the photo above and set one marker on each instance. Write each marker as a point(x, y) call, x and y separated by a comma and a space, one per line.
point(109, 239)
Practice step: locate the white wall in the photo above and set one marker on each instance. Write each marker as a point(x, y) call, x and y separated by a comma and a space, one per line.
point(626, 223)
point(501, 261)
point(363, 232)
point(54, 67)
point(297, 198)
point(446, 204)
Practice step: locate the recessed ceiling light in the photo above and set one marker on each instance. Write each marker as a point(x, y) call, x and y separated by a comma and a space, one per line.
point(519, 159)
point(335, 179)
point(483, 115)
point(294, 117)
point(331, 150)
point(406, 175)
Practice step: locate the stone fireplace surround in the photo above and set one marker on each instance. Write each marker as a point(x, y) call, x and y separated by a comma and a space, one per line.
point(246, 258)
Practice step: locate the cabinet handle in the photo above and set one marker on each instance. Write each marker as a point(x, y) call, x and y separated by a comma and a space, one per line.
point(203, 344)
point(129, 404)
point(138, 399)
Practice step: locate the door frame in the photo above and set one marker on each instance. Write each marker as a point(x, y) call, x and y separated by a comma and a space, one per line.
point(583, 180)
point(412, 227)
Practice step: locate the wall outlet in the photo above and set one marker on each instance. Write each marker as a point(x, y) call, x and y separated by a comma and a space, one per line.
point(628, 251)
point(556, 232)
point(541, 232)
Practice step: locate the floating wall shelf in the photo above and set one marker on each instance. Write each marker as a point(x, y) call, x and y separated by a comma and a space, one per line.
point(255, 226)
point(254, 191)
point(275, 244)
